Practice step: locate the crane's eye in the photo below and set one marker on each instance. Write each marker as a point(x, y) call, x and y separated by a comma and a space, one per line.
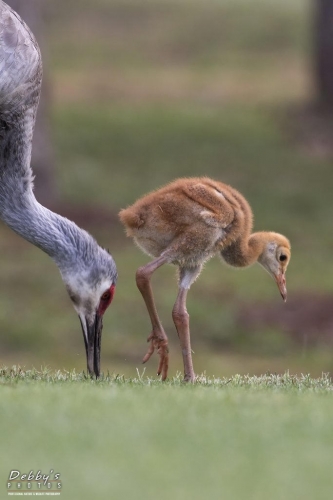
point(106, 299)
point(106, 295)
point(282, 258)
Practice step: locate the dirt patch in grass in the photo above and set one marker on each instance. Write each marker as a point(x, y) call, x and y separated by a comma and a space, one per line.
point(311, 128)
point(307, 318)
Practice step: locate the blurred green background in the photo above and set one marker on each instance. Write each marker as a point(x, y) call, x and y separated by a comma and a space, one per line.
point(142, 93)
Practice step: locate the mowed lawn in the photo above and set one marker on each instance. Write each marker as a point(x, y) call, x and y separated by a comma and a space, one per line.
point(268, 437)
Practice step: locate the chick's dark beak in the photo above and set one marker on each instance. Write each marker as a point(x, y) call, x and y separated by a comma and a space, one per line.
point(280, 279)
point(92, 335)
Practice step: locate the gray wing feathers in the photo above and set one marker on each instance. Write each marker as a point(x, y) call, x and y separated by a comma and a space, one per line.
point(20, 83)
point(20, 62)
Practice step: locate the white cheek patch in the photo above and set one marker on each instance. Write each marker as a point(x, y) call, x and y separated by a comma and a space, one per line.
point(104, 286)
point(88, 298)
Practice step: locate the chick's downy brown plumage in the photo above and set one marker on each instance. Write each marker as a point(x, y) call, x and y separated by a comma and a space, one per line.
point(186, 223)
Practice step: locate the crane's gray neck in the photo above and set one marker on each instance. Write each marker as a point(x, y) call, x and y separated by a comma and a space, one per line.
point(68, 245)
point(74, 250)
point(59, 237)
point(19, 208)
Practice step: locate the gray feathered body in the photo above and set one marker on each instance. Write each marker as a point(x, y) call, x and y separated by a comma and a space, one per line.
point(72, 248)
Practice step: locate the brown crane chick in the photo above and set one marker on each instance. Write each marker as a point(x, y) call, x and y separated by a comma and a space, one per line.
point(186, 223)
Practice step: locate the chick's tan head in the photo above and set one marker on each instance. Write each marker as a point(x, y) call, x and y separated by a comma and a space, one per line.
point(275, 259)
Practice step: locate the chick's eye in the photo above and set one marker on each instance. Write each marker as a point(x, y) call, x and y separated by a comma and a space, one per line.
point(105, 296)
point(282, 258)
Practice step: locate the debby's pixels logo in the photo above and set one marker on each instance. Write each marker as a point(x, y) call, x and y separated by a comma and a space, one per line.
point(34, 484)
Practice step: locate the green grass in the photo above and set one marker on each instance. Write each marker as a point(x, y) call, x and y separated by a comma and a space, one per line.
point(234, 438)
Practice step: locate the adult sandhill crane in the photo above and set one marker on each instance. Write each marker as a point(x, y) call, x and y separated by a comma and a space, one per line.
point(87, 270)
point(186, 223)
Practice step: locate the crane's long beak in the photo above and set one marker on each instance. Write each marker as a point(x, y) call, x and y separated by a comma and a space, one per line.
point(281, 283)
point(92, 335)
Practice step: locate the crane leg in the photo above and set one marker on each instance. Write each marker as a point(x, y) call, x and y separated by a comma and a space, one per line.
point(158, 338)
point(181, 320)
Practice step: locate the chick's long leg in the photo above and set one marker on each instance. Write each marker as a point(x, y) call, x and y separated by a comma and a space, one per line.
point(182, 320)
point(158, 338)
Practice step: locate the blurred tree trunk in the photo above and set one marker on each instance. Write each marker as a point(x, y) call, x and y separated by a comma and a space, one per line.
point(42, 160)
point(324, 52)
